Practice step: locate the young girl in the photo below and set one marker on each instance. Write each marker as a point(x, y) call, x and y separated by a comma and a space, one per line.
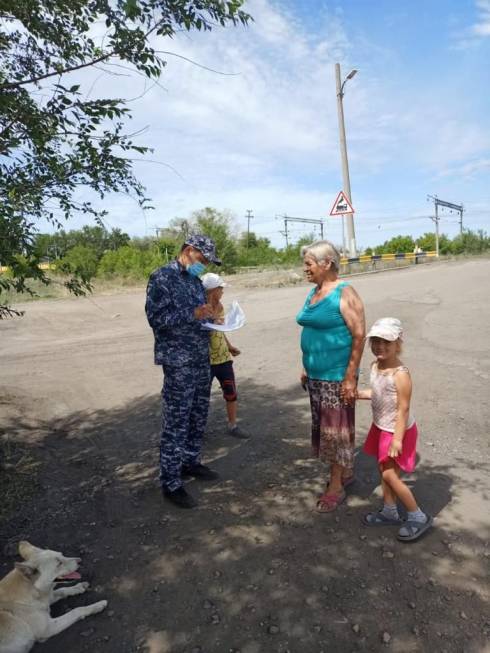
point(392, 437)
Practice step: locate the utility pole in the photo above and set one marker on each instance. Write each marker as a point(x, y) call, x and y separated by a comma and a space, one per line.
point(448, 205)
point(248, 217)
point(285, 232)
point(351, 237)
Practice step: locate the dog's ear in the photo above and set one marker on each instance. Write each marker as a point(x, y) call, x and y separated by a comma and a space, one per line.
point(26, 549)
point(26, 569)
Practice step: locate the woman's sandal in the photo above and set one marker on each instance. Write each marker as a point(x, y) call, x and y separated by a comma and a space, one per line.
point(346, 482)
point(414, 529)
point(378, 519)
point(330, 502)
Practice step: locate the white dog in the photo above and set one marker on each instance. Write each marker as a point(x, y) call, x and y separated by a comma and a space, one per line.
point(27, 592)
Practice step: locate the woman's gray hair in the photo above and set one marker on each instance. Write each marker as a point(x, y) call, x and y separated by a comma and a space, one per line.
point(322, 250)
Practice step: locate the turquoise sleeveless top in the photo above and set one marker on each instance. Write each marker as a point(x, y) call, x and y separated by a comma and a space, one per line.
point(326, 341)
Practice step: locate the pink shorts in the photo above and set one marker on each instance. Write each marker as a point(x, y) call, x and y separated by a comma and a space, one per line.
point(378, 442)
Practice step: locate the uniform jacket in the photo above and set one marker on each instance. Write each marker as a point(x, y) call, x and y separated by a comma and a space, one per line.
point(171, 297)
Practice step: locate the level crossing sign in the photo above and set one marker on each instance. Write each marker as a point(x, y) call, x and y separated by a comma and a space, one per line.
point(341, 206)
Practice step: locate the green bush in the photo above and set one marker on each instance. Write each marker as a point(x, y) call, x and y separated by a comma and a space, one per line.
point(130, 263)
point(470, 242)
point(80, 261)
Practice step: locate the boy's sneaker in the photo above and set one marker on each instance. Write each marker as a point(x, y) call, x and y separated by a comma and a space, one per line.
point(237, 432)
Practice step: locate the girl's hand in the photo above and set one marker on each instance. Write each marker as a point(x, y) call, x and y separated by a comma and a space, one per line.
point(233, 350)
point(363, 394)
point(395, 448)
point(303, 378)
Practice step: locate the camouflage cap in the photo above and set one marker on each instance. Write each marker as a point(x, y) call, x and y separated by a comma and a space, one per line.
point(205, 245)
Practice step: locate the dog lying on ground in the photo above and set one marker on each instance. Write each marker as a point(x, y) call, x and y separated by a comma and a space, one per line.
point(27, 592)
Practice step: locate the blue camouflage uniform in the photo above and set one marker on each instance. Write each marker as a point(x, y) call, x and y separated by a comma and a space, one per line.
point(182, 349)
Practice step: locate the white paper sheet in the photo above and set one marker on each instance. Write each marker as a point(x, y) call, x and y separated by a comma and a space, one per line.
point(234, 319)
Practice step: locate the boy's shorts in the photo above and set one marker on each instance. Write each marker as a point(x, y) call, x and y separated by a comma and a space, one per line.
point(226, 377)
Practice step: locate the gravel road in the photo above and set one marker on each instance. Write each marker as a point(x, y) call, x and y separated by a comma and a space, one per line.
point(254, 569)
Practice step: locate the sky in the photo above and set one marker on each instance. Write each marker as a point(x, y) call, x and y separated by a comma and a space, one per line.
point(250, 122)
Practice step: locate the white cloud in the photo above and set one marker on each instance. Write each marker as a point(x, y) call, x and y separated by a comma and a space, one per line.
point(482, 27)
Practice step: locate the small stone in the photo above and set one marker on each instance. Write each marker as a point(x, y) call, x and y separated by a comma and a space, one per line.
point(386, 637)
point(110, 613)
point(215, 619)
point(412, 605)
point(207, 605)
point(273, 630)
point(356, 628)
point(363, 537)
point(416, 631)
point(317, 628)
point(388, 554)
point(463, 615)
point(325, 589)
point(87, 633)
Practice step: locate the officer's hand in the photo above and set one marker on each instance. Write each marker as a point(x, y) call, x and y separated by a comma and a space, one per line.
point(203, 312)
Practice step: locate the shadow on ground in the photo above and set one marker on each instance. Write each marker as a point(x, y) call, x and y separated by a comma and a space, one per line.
point(254, 569)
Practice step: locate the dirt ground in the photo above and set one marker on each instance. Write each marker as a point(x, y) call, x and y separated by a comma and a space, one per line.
point(254, 569)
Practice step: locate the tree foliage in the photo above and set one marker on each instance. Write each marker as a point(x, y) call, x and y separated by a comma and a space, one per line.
point(54, 139)
point(56, 246)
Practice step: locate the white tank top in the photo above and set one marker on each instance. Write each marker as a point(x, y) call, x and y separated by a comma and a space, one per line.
point(384, 399)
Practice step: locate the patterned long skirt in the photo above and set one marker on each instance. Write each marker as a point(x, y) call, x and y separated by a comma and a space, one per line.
point(332, 424)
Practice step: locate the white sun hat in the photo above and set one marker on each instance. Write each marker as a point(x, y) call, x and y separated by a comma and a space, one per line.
point(388, 328)
point(210, 281)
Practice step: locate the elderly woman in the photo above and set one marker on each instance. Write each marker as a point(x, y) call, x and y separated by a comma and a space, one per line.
point(332, 342)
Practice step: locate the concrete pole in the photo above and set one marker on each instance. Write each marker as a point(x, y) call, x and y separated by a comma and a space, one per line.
point(437, 229)
point(351, 237)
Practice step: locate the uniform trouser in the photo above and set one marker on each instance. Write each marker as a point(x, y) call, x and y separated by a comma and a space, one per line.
point(185, 405)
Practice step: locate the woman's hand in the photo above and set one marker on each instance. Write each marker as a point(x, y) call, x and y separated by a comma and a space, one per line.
point(233, 350)
point(395, 448)
point(348, 390)
point(303, 378)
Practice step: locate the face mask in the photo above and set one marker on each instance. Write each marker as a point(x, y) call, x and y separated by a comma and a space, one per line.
point(196, 269)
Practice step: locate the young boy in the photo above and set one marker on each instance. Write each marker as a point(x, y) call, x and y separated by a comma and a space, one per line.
point(221, 352)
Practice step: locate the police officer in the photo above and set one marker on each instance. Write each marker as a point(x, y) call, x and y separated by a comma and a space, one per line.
point(175, 308)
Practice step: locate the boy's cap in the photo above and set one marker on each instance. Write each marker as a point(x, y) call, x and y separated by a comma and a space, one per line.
point(206, 246)
point(210, 281)
point(388, 328)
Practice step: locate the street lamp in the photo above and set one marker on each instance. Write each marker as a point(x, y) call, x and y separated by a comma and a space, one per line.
point(351, 237)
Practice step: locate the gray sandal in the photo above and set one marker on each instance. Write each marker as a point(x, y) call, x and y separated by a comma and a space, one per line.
point(414, 529)
point(378, 519)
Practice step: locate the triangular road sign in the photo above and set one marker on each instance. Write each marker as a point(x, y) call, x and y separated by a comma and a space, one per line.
point(341, 206)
